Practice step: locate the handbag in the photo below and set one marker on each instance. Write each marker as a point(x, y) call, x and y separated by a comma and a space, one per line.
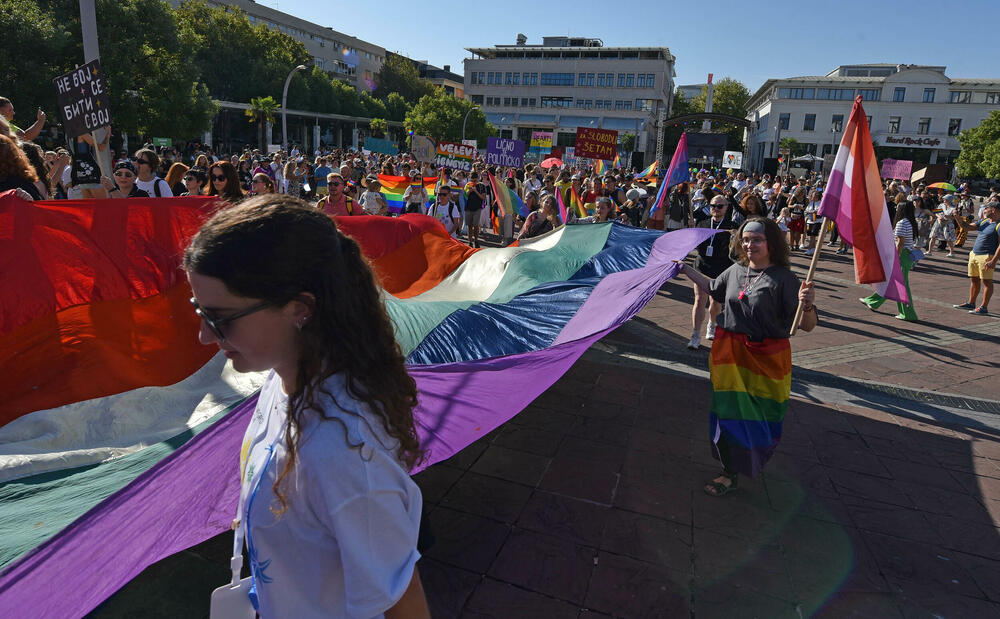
point(916, 255)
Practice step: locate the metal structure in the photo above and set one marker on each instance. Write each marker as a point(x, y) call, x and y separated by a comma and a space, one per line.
point(284, 106)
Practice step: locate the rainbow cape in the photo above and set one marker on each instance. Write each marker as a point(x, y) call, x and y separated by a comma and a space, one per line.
point(600, 168)
point(120, 433)
point(393, 188)
point(508, 200)
point(854, 199)
point(648, 172)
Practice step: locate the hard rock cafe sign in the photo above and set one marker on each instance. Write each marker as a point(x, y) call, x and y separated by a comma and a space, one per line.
point(904, 141)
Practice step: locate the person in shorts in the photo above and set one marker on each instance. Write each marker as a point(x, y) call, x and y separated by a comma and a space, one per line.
point(713, 258)
point(475, 196)
point(983, 259)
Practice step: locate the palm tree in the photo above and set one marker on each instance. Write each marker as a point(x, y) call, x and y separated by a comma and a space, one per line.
point(262, 112)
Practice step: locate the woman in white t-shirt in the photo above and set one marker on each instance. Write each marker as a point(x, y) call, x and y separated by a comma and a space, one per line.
point(330, 513)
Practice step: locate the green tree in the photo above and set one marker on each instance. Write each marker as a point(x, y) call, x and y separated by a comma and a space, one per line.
point(396, 106)
point(372, 107)
point(628, 142)
point(378, 127)
point(400, 75)
point(262, 112)
point(795, 147)
point(440, 116)
point(729, 97)
point(980, 154)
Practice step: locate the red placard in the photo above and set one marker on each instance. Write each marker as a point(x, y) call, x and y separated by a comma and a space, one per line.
point(596, 143)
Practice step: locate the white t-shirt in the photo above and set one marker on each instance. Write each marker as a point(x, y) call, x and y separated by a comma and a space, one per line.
point(346, 546)
point(147, 186)
point(444, 214)
point(531, 183)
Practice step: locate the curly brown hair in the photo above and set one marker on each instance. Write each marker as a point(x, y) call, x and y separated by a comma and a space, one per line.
point(277, 248)
point(777, 246)
point(13, 161)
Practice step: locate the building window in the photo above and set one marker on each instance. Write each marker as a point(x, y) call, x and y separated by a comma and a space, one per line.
point(490, 76)
point(621, 80)
point(600, 80)
point(581, 79)
point(630, 80)
point(508, 79)
point(600, 104)
point(531, 102)
point(837, 122)
point(894, 124)
point(607, 104)
point(590, 103)
point(524, 102)
point(628, 105)
point(506, 101)
point(928, 95)
point(868, 119)
point(809, 124)
point(579, 103)
point(899, 94)
point(482, 77)
point(526, 78)
point(645, 105)
point(590, 79)
point(954, 126)
point(513, 101)
point(650, 80)
point(835, 94)
point(609, 79)
point(797, 93)
point(640, 81)
point(517, 79)
point(557, 101)
point(557, 79)
point(475, 78)
point(961, 96)
point(924, 126)
point(784, 119)
point(618, 105)
point(869, 94)
point(993, 97)
point(477, 99)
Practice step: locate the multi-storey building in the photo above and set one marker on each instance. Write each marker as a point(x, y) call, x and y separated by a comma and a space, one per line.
point(914, 111)
point(570, 82)
point(347, 58)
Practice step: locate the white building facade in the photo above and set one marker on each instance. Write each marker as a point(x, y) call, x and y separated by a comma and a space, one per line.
point(914, 111)
point(570, 82)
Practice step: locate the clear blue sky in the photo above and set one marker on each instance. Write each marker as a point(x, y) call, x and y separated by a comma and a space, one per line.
point(750, 41)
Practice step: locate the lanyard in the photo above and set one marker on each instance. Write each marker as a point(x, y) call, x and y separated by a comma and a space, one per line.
point(748, 285)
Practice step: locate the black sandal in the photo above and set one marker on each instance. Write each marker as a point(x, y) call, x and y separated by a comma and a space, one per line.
point(717, 488)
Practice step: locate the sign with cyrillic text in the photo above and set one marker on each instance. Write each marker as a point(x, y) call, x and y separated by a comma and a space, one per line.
point(82, 96)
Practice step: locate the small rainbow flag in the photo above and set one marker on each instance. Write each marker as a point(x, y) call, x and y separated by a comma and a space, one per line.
point(650, 171)
point(600, 168)
point(576, 203)
point(507, 200)
point(393, 188)
point(618, 161)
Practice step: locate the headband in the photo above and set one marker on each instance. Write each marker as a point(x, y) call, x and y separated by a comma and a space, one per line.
point(754, 226)
point(126, 164)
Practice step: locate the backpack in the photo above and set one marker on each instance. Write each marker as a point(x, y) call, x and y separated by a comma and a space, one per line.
point(156, 186)
point(677, 208)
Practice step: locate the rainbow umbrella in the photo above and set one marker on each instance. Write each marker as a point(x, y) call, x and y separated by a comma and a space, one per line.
point(945, 186)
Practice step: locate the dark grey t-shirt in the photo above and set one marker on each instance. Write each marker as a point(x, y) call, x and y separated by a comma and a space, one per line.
point(767, 310)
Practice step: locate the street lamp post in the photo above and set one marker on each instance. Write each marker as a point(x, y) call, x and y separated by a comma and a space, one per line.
point(465, 120)
point(284, 105)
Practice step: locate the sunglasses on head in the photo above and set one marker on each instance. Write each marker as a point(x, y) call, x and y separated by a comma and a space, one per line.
point(215, 325)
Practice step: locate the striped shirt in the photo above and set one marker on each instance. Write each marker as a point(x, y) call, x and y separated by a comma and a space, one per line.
point(905, 229)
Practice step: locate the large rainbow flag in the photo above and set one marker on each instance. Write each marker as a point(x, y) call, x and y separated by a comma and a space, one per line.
point(855, 200)
point(507, 199)
point(120, 434)
point(649, 172)
point(393, 188)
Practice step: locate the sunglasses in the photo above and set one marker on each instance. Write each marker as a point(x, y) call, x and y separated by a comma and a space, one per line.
point(123, 174)
point(188, 179)
point(217, 177)
point(257, 180)
point(143, 161)
point(335, 184)
point(215, 325)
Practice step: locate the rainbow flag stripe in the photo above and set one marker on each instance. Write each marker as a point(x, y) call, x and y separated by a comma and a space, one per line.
point(576, 203)
point(751, 384)
point(508, 200)
point(648, 172)
point(600, 168)
point(120, 433)
point(393, 188)
point(618, 161)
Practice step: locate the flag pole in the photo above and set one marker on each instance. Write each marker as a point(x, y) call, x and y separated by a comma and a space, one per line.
point(810, 273)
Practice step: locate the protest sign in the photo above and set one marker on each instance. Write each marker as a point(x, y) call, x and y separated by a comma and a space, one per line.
point(423, 148)
point(377, 145)
point(505, 152)
point(541, 140)
point(596, 143)
point(82, 97)
point(897, 168)
point(732, 159)
point(455, 156)
point(163, 142)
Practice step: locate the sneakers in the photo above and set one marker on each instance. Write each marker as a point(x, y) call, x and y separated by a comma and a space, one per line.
point(695, 342)
point(710, 331)
point(809, 252)
point(842, 251)
point(950, 254)
point(965, 306)
point(981, 310)
point(864, 301)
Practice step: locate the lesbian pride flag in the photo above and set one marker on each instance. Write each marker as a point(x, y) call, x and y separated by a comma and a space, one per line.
point(120, 433)
point(854, 199)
